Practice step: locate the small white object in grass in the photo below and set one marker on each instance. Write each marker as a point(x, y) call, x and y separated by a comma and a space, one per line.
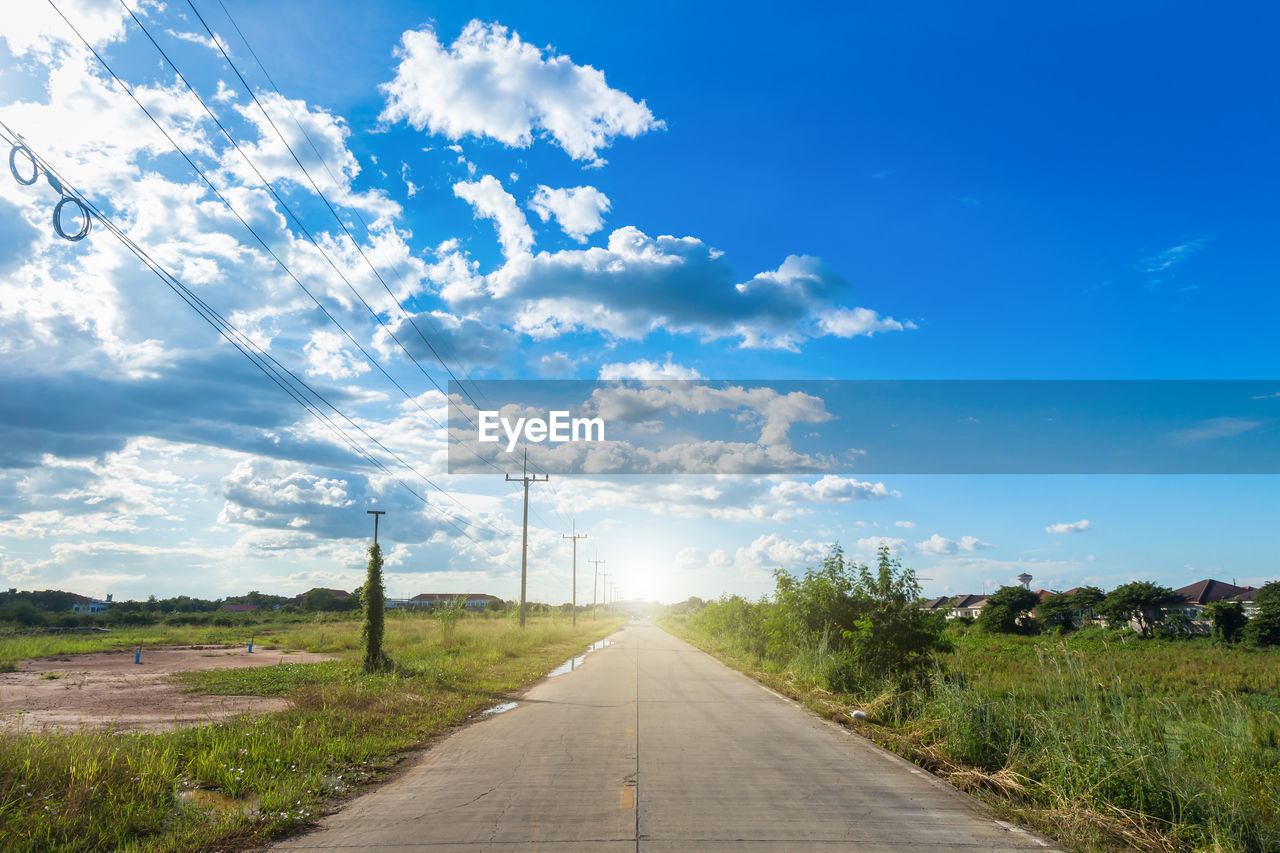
point(859, 715)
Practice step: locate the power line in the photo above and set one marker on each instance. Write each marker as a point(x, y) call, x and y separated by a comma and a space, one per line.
point(320, 157)
point(200, 172)
point(327, 204)
point(284, 378)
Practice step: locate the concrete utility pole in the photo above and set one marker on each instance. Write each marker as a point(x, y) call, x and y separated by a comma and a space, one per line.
point(595, 579)
point(524, 540)
point(604, 591)
point(575, 537)
point(375, 513)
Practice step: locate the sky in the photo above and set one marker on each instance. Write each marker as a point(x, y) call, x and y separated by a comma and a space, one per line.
point(384, 201)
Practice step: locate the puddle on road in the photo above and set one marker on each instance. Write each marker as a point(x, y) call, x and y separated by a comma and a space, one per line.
point(499, 709)
point(574, 662)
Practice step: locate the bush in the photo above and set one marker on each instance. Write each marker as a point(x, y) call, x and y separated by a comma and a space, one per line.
point(1008, 611)
point(1264, 628)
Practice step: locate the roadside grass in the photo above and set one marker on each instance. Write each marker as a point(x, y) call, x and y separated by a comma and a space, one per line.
point(249, 779)
point(1102, 741)
point(18, 647)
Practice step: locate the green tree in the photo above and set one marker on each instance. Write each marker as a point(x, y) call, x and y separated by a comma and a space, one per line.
point(1264, 626)
point(818, 605)
point(1228, 620)
point(1059, 610)
point(1140, 602)
point(375, 603)
point(1086, 600)
point(318, 599)
point(890, 635)
point(1008, 611)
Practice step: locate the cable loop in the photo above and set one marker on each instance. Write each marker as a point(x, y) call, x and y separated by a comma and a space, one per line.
point(85, 224)
point(13, 164)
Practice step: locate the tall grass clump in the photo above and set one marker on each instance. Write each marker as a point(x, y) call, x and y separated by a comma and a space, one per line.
point(1103, 738)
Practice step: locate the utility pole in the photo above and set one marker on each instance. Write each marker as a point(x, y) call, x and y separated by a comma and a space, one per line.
point(375, 513)
point(594, 582)
point(524, 539)
point(575, 537)
point(604, 591)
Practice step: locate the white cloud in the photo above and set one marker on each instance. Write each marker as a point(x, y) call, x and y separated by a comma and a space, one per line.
point(638, 284)
point(645, 369)
point(1070, 527)
point(1171, 257)
point(853, 322)
point(579, 210)
point(490, 83)
point(831, 489)
point(490, 201)
point(907, 524)
point(327, 355)
point(936, 544)
point(869, 545)
point(1213, 428)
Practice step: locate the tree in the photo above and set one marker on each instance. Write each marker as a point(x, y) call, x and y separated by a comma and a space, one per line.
point(1058, 610)
point(1228, 620)
point(1008, 611)
point(1141, 603)
point(375, 603)
point(1086, 600)
point(891, 635)
point(318, 599)
point(1264, 627)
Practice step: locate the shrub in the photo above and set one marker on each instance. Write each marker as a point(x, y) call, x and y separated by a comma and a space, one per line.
point(1008, 611)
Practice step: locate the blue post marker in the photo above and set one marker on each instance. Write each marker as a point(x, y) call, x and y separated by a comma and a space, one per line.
point(137, 657)
point(251, 645)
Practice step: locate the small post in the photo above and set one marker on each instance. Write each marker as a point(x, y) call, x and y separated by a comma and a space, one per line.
point(137, 656)
point(595, 581)
point(250, 645)
point(575, 537)
point(524, 537)
point(375, 513)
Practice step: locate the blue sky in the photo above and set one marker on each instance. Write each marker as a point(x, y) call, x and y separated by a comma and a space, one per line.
point(862, 191)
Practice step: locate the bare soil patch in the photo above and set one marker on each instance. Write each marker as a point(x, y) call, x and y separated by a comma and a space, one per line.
point(108, 690)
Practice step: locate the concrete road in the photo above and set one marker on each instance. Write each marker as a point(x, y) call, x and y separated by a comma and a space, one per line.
point(652, 745)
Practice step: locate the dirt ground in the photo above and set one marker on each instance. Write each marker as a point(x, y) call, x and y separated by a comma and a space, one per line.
point(108, 690)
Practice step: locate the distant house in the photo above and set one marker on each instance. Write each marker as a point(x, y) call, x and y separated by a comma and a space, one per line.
point(956, 606)
point(1192, 599)
point(476, 601)
point(92, 606)
point(296, 601)
point(237, 608)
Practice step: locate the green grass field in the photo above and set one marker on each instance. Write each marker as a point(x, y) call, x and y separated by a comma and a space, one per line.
point(1102, 740)
point(245, 780)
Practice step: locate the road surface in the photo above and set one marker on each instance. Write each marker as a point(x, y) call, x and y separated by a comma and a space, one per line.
point(652, 745)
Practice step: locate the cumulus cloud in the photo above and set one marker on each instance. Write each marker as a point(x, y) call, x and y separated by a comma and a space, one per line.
point(1070, 527)
point(491, 83)
point(490, 201)
point(855, 322)
point(579, 210)
point(869, 545)
point(936, 544)
point(645, 369)
point(463, 341)
point(831, 489)
point(638, 284)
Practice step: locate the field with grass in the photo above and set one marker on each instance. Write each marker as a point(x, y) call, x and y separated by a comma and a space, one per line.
point(1100, 739)
point(248, 779)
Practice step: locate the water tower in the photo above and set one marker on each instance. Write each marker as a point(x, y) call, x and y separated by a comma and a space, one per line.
point(1025, 580)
